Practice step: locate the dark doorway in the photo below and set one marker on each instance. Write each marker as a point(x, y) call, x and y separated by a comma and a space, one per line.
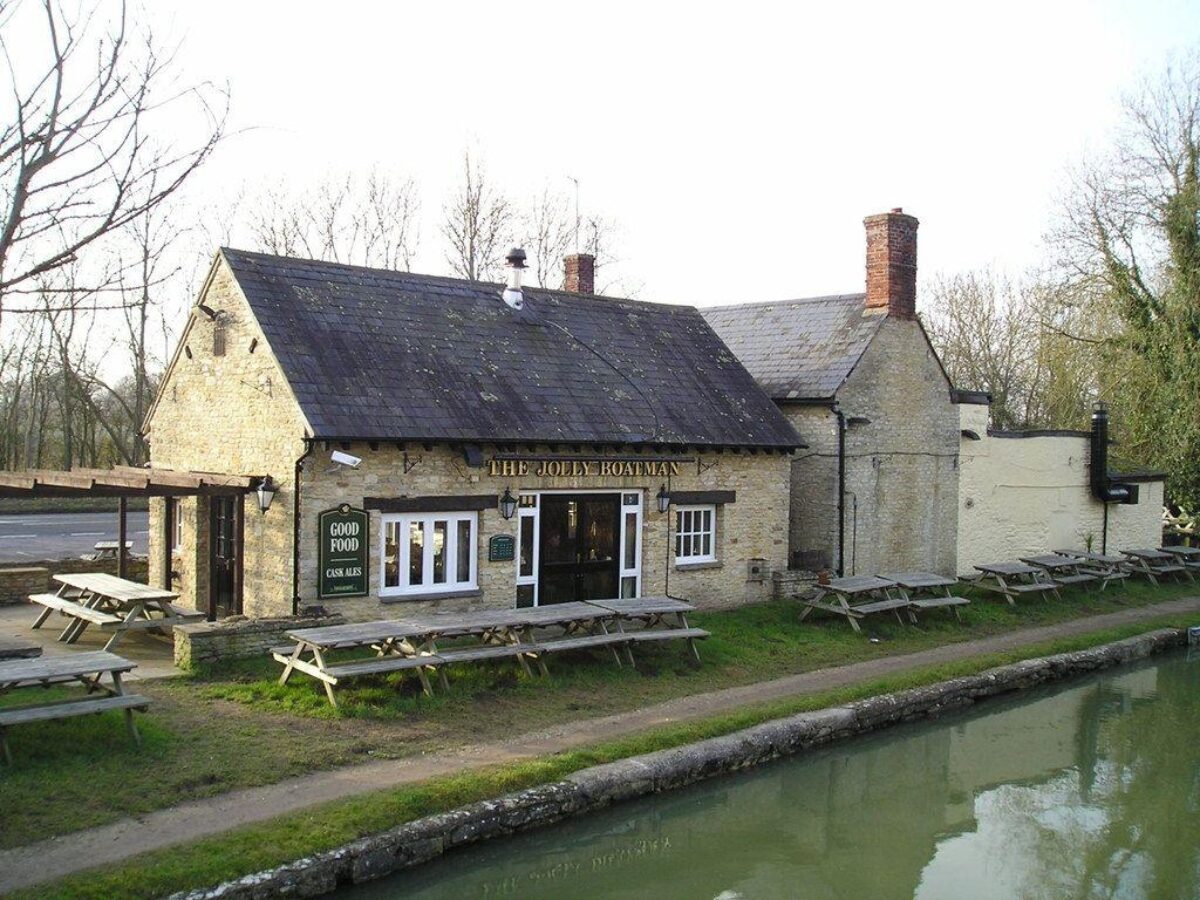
point(225, 589)
point(579, 547)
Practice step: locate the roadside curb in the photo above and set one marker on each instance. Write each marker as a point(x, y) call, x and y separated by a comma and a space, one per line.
point(600, 786)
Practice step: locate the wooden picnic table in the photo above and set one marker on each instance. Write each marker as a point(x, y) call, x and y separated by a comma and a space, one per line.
point(661, 618)
point(1064, 571)
point(1104, 566)
point(87, 669)
point(927, 590)
point(112, 603)
point(416, 642)
point(1013, 579)
point(1154, 563)
point(1189, 557)
point(849, 594)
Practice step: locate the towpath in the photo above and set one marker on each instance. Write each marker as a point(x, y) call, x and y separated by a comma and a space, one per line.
point(189, 822)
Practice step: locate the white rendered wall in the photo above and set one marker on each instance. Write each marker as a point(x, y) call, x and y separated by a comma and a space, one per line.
point(1026, 496)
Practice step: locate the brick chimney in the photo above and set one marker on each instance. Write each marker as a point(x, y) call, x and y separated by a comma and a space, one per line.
point(892, 263)
point(581, 273)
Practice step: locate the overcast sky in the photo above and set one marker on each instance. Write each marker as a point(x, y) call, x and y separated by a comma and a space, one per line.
point(739, 145)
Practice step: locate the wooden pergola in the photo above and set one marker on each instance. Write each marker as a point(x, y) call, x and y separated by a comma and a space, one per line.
point(123, 482)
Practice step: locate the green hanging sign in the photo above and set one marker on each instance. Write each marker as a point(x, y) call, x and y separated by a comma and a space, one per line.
point(342, 554)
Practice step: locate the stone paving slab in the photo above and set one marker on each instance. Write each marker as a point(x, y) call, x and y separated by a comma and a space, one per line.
point(188, 822)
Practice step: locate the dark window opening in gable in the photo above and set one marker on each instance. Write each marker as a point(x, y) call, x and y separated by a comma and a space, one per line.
point(218, 338)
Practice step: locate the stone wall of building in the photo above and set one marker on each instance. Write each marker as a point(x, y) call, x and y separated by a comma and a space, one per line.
point(751, 531)
point(1022, 496)
point(225, 406)
point(812, 537)
point(902, 465)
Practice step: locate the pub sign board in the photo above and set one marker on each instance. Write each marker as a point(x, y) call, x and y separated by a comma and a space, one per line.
point(342, 553)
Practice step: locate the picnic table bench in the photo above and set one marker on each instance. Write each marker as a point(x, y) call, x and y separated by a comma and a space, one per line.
point(1064, 571)
point(1014, 579)
point(1104, 566)
point(111, 603)
point(927, 590)
point(1155, 563)
point(87, 669)
point(417, 643)
point(1189, 557)
point(108, 550)
point(874, 593)
point(661, 618)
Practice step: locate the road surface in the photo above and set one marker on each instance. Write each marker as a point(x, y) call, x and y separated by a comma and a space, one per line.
point(34, 536)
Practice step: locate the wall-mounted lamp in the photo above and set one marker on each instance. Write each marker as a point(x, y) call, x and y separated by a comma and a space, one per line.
point(265, 493)
point(508, 504)
point(663, 498)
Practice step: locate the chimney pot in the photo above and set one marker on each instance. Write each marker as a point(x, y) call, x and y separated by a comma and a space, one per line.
point(892, 263)
point(580, 273)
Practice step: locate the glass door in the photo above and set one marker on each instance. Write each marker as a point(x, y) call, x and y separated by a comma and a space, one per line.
point(579, 549)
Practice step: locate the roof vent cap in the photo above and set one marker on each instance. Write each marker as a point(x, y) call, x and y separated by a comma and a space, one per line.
point(516, 265)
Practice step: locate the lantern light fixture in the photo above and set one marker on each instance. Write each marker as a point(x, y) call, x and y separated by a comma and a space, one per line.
point(265, 492)
point(508, 504)
point(663, 498)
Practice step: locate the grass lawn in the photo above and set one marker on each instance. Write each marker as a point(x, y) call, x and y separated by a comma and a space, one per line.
point(217, 731)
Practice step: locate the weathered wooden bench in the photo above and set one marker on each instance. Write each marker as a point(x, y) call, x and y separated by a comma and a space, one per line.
point(1154, 564)
point(1104, 567)
point(1014, 579)
point(85, 668)
point(951, 603)
point(72, 608)
point(432, 642)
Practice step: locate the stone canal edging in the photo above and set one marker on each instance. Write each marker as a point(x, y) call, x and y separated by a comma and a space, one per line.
point(600, 786)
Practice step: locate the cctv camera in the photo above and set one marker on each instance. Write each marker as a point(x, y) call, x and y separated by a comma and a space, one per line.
point(345, 459)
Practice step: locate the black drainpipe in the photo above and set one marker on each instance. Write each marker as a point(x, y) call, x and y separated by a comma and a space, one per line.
point(308, 448)
point(841, 421)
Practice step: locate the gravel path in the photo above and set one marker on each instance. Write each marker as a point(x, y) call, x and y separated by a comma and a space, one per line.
point(188, 822)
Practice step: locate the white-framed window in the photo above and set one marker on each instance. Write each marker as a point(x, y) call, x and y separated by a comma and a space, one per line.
point(175, 511)
point(695, 534)
point(428, 553)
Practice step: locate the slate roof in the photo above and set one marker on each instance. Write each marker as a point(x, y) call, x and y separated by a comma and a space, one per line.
point(797, 349)
point(373, 354)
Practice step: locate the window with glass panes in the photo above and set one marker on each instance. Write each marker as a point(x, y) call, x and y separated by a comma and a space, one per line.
point(176, 513)
point(695, 534)
point(427, 553)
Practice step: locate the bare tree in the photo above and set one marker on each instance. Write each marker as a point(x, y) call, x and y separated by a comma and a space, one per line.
point(551, 228)
point(78, 159)
point(372, 222)
point(476, 225)
point(548, 228)
point(1029, 342)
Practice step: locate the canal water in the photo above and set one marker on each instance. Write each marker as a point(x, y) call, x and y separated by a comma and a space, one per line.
point(1089, 790)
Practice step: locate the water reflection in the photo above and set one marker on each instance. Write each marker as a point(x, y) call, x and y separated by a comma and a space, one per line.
point(1088, 791)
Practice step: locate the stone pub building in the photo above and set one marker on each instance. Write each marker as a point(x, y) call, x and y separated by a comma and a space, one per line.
point(444, 443)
